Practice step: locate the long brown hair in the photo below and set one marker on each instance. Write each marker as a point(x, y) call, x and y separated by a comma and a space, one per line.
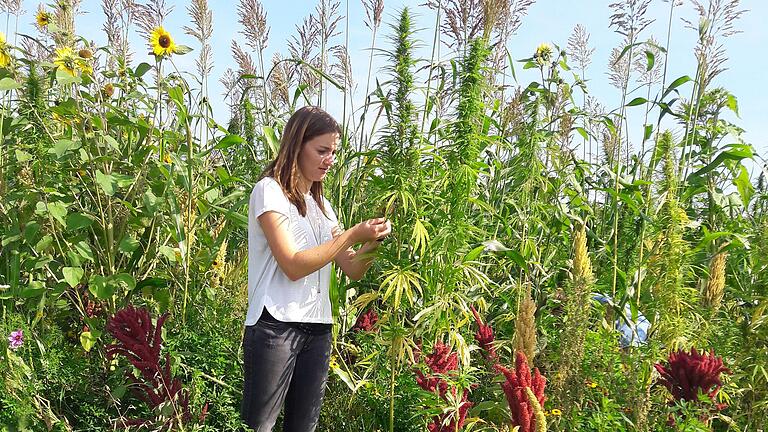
point(305, 124)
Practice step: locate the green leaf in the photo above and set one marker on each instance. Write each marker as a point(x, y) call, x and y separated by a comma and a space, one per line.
point(107, 182)
point(22, 156)
point(150, 201)
point(63, 146)
point(84, 250)
point(8, 83)
point(736, 152)
point(99, 287)
point(732, 104)
point(87, 340)
point(72, 275)
point(64, 78)
point(637, 101)
point(122, 281)
point(182, 49)
point(624, 51)
point(271, 138)
point(648, 131)
point(744, 186)
point(77, 221)
point(228, 141)
point(583, 133)
point(141, 70)
point(58, 210)
point(112, 142)
point(650, 60)
point(128, 244)
point(675, 84)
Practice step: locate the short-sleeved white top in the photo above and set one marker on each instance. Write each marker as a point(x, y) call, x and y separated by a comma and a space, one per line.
point(305, 300)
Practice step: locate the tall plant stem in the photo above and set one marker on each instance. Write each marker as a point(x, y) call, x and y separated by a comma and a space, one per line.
point(622, 113)
point(646, 201)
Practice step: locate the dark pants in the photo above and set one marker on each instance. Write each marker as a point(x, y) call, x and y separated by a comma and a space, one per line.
point(284, 363)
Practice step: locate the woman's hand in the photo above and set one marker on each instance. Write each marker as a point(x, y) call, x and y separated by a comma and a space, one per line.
point(371, 230)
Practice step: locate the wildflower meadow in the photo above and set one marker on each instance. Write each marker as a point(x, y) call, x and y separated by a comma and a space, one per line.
point(557, 263)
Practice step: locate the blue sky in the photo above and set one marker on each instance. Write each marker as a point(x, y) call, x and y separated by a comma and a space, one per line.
point(547, 21)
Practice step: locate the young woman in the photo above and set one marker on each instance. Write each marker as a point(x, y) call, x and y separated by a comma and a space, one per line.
point(293, 235)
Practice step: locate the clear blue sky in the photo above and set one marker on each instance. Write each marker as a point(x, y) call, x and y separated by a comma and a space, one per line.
point(547, 21)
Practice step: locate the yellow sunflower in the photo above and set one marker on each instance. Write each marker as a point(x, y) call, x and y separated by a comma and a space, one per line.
point(543, 54)
point(66, 60)
point(161, 42)
point(42, 18)
point(5, 55)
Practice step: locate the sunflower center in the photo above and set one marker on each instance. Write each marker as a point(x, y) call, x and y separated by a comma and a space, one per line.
point(164, 41)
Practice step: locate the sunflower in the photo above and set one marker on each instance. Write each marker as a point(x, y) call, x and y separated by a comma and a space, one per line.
point(543, 54)
point(161, 42)
point(42, 18)
point(5, 55)
point(66, 60)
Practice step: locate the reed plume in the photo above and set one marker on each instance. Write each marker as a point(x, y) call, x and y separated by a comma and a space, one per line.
point(713, 291)
point(525, 326)
point(202, 18)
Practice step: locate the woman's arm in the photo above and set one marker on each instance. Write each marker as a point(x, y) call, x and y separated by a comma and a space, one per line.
point(298, 264)
point(353, 263)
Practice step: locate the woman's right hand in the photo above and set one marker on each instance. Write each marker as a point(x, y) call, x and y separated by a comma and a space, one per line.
point(370, 230)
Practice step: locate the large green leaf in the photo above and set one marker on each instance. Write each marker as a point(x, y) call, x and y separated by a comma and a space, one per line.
point(107, 182)
point(744, 186)
point(72, 275)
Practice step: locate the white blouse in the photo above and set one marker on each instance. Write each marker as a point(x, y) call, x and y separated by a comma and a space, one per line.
point(307, 299)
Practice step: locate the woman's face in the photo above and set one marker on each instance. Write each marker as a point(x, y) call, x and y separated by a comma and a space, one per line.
point(317, 156)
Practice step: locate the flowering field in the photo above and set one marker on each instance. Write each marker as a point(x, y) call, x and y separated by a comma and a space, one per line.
point(550, 268)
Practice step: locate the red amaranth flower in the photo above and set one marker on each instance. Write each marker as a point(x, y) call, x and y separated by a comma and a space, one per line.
point(366, 321)
point(516, 381)
point(484, 338)
point(140, 342)
point(687, 374)
point(443, 362)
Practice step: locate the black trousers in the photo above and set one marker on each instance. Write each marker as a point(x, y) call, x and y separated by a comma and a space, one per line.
point(285, 363)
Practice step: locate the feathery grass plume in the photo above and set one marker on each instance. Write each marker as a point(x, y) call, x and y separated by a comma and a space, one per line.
point(576, 323)
point(713, 291)
point(629, 17)
point(716, 22)
point(667, 266)
point(12, 7)
point(538, 411)
point(328, 17)
point(64, 16)
point(280, 82)
point(656, 72)
point(303, 46)
point(525, 325)
point(462, 21)
point(232, 92)
point(150, 15)
point(373, 12)
point(118, 15)
point(243, 59)
point(618, 66)
point(253, 18)
point(578, 48)
point(202, 18)
point(341, 69)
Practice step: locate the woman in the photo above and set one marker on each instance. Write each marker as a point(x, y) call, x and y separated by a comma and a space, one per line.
point(293, 235)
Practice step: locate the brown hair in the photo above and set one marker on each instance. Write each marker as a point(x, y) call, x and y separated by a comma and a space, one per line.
point(305, 124)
